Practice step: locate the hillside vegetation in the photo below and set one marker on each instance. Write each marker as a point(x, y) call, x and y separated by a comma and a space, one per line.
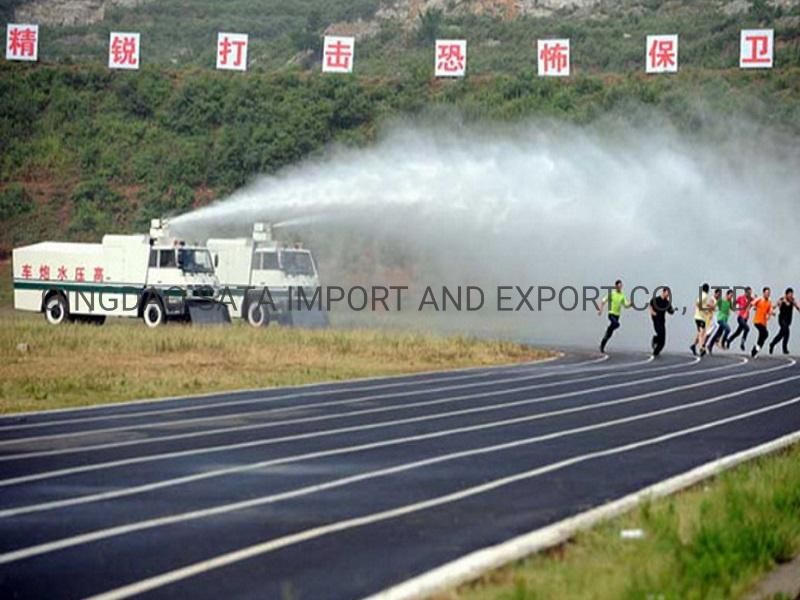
point(84, 150)
point(608, 37)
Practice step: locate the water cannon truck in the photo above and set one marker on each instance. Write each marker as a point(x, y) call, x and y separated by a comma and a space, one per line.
point(154, 277)
point(260, 278)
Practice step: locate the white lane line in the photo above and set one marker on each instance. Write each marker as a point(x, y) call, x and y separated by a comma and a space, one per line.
point(52, 505)
point(291, 408)
point(350, 429)
point(370, 426)
point(227, 508)
point(222, 404)
point(301, 386)
point(267, 546)
point(475, 564)
point(327, 417)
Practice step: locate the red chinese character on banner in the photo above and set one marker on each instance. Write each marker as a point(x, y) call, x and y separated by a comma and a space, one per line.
point(22, 42)
point(553, 57)
point(44, 272)
point(27, 271)
point(232, 44)
point(62, 273)
point(756, 48)
point(98, 274)
point(662, 53)
point(80, 274)
point(123, 51)
point(338, 54)
point(451, 57)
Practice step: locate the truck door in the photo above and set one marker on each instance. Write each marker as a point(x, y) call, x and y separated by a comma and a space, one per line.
point(163, 271)
point(266, 270)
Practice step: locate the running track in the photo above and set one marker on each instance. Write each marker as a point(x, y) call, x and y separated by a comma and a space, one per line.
point(343, 490)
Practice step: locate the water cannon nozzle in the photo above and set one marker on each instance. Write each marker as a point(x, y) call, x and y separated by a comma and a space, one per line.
point(262, 232)
point(159, 229)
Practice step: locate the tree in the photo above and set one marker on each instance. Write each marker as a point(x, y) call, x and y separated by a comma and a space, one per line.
point(14, 201)
point(430, 23)
point(761, 11)
point(310, 36)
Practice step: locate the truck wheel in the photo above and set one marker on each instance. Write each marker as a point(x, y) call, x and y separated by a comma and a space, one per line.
point(55, 310)
point(153, 313)
point(257, 315)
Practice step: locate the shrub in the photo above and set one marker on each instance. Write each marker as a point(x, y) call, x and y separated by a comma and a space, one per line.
point(96, 193)
point(97, 208)
point(14, 201)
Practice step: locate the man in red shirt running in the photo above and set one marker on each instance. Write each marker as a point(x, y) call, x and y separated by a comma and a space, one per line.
point(743, 305)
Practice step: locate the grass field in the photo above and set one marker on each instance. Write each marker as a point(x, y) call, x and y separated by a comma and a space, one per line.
point(711, 542)
point(75, 364)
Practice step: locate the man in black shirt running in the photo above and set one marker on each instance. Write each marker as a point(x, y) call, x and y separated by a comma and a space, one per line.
point(660, 305)
point(786, 305)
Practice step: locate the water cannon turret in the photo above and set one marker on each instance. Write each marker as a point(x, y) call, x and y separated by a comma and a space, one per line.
point(262, 232)
point(159, 230)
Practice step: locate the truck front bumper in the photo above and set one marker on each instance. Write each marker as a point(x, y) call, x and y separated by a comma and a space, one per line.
point(207, 312)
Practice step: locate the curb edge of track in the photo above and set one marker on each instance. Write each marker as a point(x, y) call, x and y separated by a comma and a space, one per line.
point(475, 564)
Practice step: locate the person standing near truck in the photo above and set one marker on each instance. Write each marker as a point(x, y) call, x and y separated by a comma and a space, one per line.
point(786, 305)
point(660, 305)
point(743, 305)
point(764, 310)
point(616, 301)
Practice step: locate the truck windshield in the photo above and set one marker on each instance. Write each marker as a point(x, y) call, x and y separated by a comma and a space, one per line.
point(195, 261)
point(267, 261)
point(297, 262)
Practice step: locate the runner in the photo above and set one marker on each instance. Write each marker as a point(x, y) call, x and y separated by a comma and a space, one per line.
point(743, 305)
point(764, 310)
point(660, 305)
point(786, 305)
point(722, 330)
point(702, 313)
point(712, 326)
point(616, 301)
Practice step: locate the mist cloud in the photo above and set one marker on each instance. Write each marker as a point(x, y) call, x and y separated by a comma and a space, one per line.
point(542, 203)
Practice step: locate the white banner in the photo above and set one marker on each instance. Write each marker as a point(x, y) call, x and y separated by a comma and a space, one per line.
point(451, 58)
point(337, 55)
point(553, 58)
point(232, 51)
point(22, 42)
point(756, 48)
point(123, 50)
point(661, 54)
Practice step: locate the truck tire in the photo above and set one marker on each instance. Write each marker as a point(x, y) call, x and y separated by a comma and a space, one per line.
point(56, 310)
point(256, 315)
point(153, 313)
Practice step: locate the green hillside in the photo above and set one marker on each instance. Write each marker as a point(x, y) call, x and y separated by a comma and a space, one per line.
point(84, 150)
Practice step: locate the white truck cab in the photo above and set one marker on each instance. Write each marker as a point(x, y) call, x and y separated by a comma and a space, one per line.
point(259, 276)
point(153, 277)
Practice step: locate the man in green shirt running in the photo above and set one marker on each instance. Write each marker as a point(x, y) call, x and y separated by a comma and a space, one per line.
point(616, 301)
point(723, 330)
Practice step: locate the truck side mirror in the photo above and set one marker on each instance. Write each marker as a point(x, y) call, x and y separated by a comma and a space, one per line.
point(216, 261)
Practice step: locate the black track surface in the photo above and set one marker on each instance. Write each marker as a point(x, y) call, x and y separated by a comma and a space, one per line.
point(191, 480)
